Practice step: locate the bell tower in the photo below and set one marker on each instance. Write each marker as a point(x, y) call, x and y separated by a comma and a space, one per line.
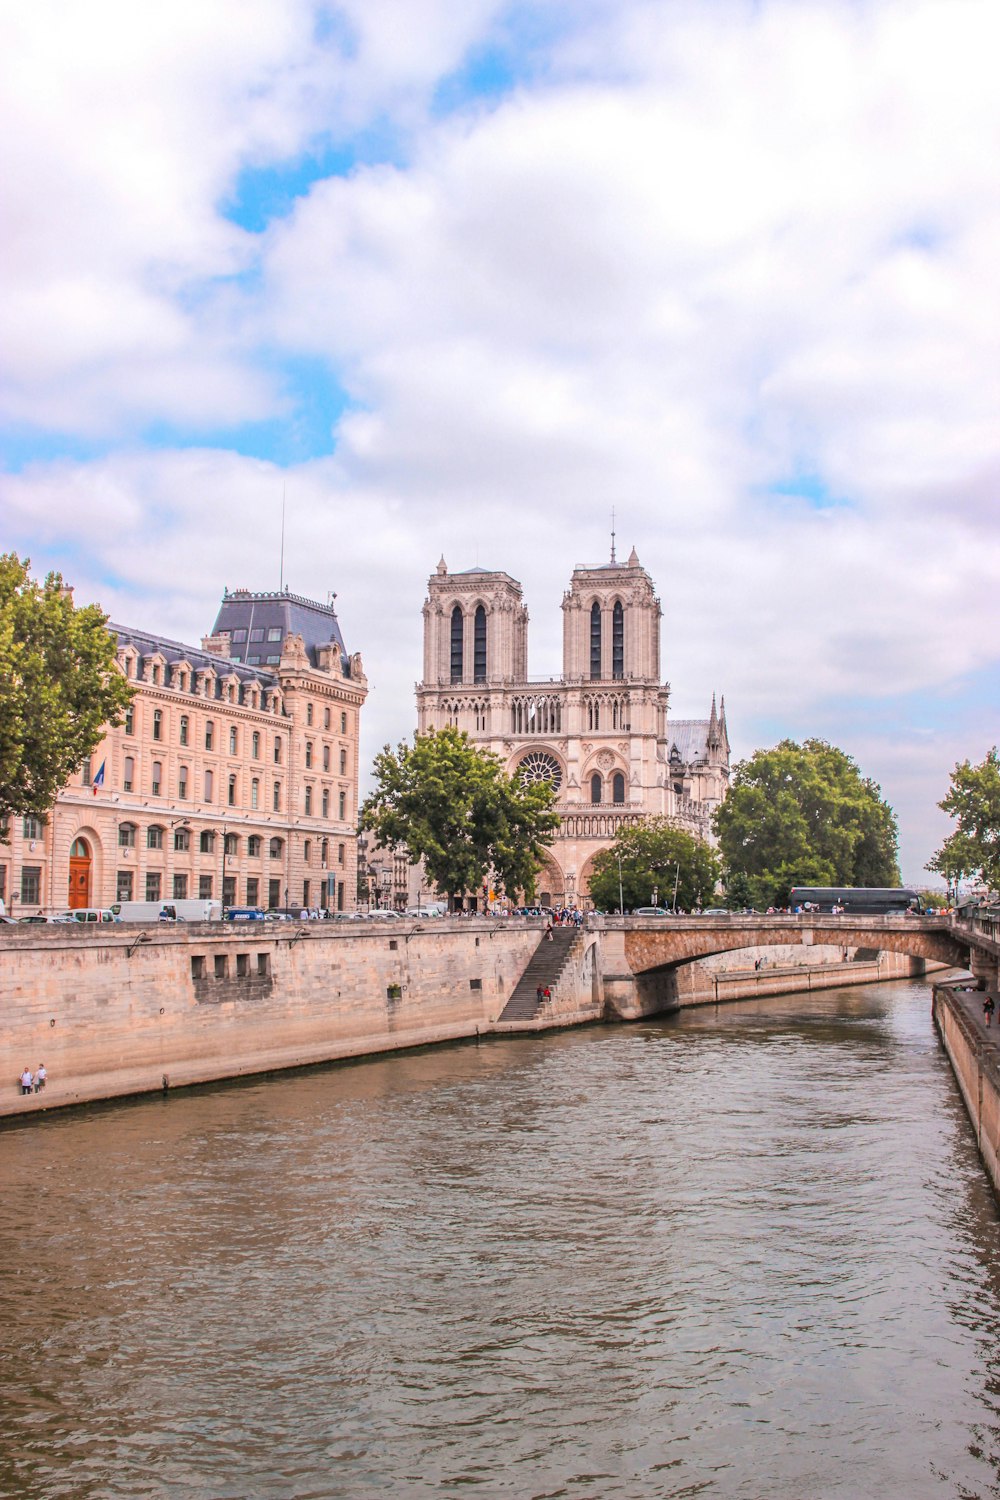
point(475, 629)
point(611, 624)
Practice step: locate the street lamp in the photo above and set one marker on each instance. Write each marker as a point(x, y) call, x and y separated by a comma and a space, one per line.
point(621, 893)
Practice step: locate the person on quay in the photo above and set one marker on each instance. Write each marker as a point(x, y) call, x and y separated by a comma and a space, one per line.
point(26, 1081)
point(40, 1077)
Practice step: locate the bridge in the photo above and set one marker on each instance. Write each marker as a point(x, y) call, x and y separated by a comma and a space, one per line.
point(641, 955)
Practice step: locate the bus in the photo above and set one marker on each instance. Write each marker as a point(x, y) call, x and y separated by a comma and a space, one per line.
point(859, 900)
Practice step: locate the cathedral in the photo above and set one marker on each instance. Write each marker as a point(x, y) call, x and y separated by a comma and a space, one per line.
point(600, 733)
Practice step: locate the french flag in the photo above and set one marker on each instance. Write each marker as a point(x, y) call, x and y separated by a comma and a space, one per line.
point(99, 777)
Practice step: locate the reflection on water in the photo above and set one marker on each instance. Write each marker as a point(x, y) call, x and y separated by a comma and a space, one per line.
point(744, 1252)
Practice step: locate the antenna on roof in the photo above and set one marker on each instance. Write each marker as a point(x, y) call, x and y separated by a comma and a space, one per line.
point(612, 533)
point(281, 579)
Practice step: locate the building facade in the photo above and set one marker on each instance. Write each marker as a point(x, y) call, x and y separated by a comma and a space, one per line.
point(600, 733)
point(234, 777)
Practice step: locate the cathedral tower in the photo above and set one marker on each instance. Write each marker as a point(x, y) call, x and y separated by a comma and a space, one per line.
point(611, 624)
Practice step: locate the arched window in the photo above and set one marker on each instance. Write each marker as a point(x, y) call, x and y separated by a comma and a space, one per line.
point(618, 789)
point(309, 801)
point(457, 639)
point(595, 640)
point(596, 787)
point(326, 802)
point(255, 793)
point(309, 754)
point(274, 848)
point(157, 781)
point(126, 835)
point(618, 641)
point(479, 646)
point(232, 790)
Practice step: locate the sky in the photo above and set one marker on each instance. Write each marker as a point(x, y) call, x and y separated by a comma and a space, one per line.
point(465, 279)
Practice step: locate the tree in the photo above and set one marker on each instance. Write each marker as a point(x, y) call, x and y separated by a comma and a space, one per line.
point(805, 815)
point(654, 856)
point(452, 804)
point(59, 686)
point(974, 802)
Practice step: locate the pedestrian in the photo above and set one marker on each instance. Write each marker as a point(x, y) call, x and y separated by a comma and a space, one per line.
point(26, 1081)
point(548, 932)
point(988, 1008)
point(40, 1078)
point(539, 995)
point(548, 994)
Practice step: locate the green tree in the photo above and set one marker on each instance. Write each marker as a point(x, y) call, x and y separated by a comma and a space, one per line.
point(453, 805)
point(59, 686)
point(654, 855)
point(974, 802)
point(805, 815)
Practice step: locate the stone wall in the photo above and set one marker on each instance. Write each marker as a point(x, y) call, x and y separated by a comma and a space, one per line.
point(975, 1057)
point(115, 1010)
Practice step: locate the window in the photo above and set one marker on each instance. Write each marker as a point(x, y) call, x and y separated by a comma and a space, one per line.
point(274, 893)
point(254, 793)
point(276, 797)
point(221, 965)
point(130, 720)
point(272, 661)
point(123, 885)
point(309, 754)
point(152, 885)
point(343, 723)
point(253, 890)
point(341, 853)
point(31, 885)
point(277, 750)
point(209, 786)
point(618, 788)
point(326, 757)
point(206, 841)
point(309, 801)
point(209, 734)
point(255, 744)
point(31, 827)
point(264, 962)
point(157, 724)
point(85, 775)
point(180, 887)
point(184, 729)
point(307, 851)
point(254, 842)
point(182, 840)
point(274, 850)
point(618, 641)
point(305, 893)
point(326, 802)
point(182, 784)
point(204, 887)
point(232, 843)
point(479, 645)
point(457, 646)
point(128, 779)
point(126, 835)
point(239, 636)
point(234, 741)
point(595, 640)
point(596, 787)
point(257, 634)
point(197, 966)
point(274, 634)
point(231, 795)
point(309, 713)
point(157, 781)
point(154, 839)
point(326, 718)
point(341, 804)
point(343, 762)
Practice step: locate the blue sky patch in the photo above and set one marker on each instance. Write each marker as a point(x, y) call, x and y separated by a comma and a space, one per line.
point(265, 193)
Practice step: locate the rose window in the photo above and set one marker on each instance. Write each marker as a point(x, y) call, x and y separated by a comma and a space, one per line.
point(538, 766)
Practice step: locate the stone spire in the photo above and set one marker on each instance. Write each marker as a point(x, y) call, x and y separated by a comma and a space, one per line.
point(633, 559)
point(442, 566)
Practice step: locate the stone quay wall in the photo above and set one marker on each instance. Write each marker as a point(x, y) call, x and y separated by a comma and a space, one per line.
point(974, 1053)
point(114, 1010)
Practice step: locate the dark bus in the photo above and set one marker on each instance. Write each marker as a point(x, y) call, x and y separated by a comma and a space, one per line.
point(860, 901)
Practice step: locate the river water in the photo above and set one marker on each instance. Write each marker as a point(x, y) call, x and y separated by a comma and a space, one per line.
point(743, 1252)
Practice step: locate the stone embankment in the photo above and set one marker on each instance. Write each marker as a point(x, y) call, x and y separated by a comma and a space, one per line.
point(974, 1052)
point(128, 1009)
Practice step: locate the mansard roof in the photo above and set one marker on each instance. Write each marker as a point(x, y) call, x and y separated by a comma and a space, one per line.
point(147, 644)
point(292, 614)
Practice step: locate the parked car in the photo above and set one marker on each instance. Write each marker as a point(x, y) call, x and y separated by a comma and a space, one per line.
point(651, 911)
point(53, 917)
point(244, 914)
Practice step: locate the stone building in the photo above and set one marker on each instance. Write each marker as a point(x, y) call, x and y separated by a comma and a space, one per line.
point(600, 732)
point(234, 776)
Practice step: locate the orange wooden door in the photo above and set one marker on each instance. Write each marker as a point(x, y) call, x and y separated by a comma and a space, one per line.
point(79, 882)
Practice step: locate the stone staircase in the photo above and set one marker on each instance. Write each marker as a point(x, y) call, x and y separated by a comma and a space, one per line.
point(544, 968)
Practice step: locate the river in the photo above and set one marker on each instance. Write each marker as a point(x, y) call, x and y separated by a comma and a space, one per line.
point(741, 1252)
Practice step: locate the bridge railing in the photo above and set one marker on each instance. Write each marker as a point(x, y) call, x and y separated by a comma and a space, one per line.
point(986, 923)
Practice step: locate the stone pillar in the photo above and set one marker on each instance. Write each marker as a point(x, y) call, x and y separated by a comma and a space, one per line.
point(984, 969)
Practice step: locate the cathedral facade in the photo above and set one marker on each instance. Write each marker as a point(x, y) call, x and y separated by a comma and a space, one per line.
point(600, 733)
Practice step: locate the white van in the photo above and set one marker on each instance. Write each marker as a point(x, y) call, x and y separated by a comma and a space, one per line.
point(168, 911)
point(92, 914)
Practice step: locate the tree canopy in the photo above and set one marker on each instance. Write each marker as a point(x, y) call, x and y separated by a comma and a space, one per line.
point(59, 686)
point(654, 854)
point(804, 815)
point(974, 802)
point(453, 805)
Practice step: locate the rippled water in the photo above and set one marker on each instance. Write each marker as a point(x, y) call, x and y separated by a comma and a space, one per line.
point(746, 1252)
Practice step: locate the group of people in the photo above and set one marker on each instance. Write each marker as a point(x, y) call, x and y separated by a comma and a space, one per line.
point(33, 1083)
point(543, 992)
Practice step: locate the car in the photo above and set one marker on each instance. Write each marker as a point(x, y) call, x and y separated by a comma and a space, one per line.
point(244, 914)
point(716, 911)
point(55, 917)
point(651, 911)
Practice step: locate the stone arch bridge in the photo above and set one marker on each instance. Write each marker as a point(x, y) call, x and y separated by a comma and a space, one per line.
point(640, 955)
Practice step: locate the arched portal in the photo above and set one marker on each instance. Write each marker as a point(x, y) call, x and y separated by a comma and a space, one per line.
point(80, 870)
